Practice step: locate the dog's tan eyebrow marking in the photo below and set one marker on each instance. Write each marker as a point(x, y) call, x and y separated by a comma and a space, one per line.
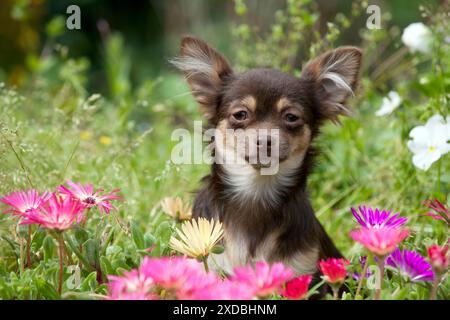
point(250, 102)
point(284, 102)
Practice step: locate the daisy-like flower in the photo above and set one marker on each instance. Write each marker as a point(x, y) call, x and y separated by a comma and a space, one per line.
point(198, 237)
point(411, 265)
point(133, 285)
point(175, 208)
point(90, 198)
point(265, 279)
point(375, 218)
point(297, 288)
point(380, 241)
point(417, 37)
point(442, 212)
point(429, 142)
point(439, 257)
point(333, 270)
point(21, 202)
point(390, 103)
point(180, 277)
point(57, 213)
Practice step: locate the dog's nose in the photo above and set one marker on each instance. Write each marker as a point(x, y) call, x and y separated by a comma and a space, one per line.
point(261, 142)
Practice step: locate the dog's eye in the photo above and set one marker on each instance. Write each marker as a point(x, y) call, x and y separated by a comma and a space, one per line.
point(291, 117)
point(240, 115)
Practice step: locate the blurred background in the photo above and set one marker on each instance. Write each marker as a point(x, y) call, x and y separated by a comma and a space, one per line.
point(147, 31)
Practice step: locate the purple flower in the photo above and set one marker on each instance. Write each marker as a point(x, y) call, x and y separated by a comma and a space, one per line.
point(411, 264)
point(373, 218)
point(362, 263)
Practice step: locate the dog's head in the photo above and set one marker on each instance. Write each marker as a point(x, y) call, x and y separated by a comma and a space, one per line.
point(269, 99)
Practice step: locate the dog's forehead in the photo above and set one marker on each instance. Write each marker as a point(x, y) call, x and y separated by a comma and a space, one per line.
point(266, 86)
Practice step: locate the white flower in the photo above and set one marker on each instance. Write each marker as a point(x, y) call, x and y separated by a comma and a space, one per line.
point(390, 103)
point(429, 142)
point(417, 37)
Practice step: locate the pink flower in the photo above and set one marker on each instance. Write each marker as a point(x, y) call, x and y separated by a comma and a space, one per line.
point(57, 213)
point(133, 285)
point(89, 198)
point(21, 202)
point(334, 270)
point(439, 257)
point(297, 288)
point(181, 277)
point(225, 290)
point(380, 241)
point(264, 278)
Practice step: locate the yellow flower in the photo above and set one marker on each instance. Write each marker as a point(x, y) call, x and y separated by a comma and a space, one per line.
point(85, 135)
point(105, 140)
point(175, 208)
point(198, 237)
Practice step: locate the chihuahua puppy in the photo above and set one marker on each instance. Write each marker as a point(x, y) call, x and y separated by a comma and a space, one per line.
point(268, 217)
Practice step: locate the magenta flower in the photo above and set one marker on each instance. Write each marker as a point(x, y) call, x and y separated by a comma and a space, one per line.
point(181, 277)
point(410, 264)
point(57, 213)
point(380, 241)
point(21, 202)
point(442, 212)
point(133, 285)
point(90, 198)
point(297, 288)
point(375, 218)
point(265, 279)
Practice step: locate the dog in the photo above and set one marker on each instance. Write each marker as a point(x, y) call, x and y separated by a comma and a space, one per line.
point(268, 217)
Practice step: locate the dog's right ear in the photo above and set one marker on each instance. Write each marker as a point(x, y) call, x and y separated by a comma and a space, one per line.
point(205, 70)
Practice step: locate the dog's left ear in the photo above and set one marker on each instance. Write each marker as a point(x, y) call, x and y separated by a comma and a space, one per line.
point(333, 76)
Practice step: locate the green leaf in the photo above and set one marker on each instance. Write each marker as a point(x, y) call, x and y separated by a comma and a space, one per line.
point(90, 282)
point(46, 289)
point(75, 249)
point(218, 249)
point(106, 266)
point(49, 248)
point(137, 236)
point(91, 252)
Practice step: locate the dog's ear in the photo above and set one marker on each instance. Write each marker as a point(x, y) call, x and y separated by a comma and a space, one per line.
point(205, 70)
point(334, 77)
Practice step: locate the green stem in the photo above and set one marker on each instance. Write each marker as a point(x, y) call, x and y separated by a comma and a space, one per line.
point(380, 278)
point(61, 259)
point(28, 253)
point(363, 276)
point(205, 264)
point(335, 289)
point(434, 289)
point(439, 176)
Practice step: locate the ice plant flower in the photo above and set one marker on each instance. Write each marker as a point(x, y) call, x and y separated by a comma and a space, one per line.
point(225, 290)
point(442, 212)
point(21, 202)
point(429, 142)
point(375, 218)
point(197, 237)
point(264, 279)
point(380, 241)
point(439, 257)
point(178, 277)
point(58, 213)
point(88, 197)
point(175, 208)
point(390, 103)
point(133, 285)
point(411, 265)
point(297, 288)
point(333, 269)
point(417, 37)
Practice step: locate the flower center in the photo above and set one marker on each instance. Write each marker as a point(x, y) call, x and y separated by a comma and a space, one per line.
point(89, 201)
point(431, 148)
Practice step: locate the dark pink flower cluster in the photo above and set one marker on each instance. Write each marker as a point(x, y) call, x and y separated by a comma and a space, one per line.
point(185, 279)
